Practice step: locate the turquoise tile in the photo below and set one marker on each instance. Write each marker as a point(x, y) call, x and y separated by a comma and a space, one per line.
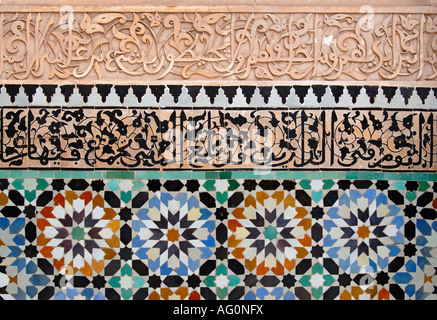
point(120, 175)
point(168, 175)
point(329, 175)
point(16, 173)
point(251, 175)
point(239, 174)
point(140, 175)
point(5, 174)
point(341, 174)
point(270, 175)
point(183, 174)
point(314, 175)
point(154, 174)
point(46, 174)
point(18, 184)
point(198, 175)
point(254, 174)
point(298, 174)
point(391, 175)
point(79, 174)
point(96, 174)
point(283, 174)
point(62, 174)
point(30, 174)
point(399, 185)
point(113, 184)
point(137, 185)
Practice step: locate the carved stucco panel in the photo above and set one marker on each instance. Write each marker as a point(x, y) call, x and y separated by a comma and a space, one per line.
point(151, 47)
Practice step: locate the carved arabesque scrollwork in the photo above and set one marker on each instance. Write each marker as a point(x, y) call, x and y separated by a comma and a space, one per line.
point(217, 46)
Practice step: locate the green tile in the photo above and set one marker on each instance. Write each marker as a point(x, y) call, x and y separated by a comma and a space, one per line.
point(423, 185)
point(406, 176)
point(283, 174)
point(42, 184)
point(79, 174)
point(378, 175)
point(351, 175)
point(209, 185)
point(225, 175)
point(222, 197)
point(327, 184)
point(305, 184)
point(420, 176)
point(365, 175)
point(432, 176)
point(120, 175)
point(211, 175)
point(233, 184)
point(62, 174)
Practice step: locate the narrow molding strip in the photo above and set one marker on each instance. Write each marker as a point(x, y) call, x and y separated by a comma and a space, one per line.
point(203, 96)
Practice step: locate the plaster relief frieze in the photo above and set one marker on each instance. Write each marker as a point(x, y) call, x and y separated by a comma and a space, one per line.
point(215, 47)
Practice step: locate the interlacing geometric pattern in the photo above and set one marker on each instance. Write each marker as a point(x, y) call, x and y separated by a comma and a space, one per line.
point(218, 235)
point(218, 153)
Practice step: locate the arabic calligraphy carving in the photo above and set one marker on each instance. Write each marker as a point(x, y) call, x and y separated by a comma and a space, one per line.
point(217, 46)
point(220, 138)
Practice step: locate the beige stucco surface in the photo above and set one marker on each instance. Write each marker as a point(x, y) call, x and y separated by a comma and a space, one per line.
point(222, 2)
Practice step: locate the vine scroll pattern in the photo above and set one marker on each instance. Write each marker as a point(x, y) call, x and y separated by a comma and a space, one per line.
point(156, 46)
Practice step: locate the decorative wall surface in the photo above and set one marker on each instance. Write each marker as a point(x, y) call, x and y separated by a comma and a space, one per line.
point(281, 153)
point(155, 46)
